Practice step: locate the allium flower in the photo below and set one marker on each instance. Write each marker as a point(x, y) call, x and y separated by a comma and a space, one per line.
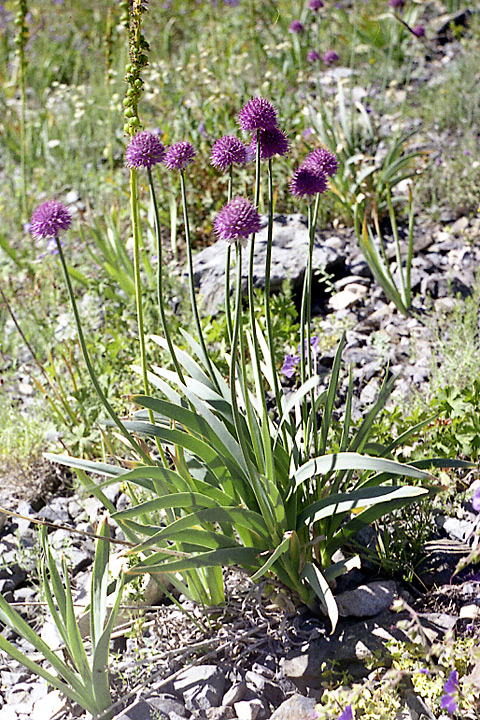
point(238, 219)
point(418, 30)
point(272, 142)
point(449, 700)
point(228, 150)
point(322, 160)
point(308, 182)
point(347, 714)
point(296, 27)
point(330, 57)
point(312, 56)
point(396, 3)
point(257, 114)
point(144, 150)
point(179, 155)
point(49, 219)
point(315, 5)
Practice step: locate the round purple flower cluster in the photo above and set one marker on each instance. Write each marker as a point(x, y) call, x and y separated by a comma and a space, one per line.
point(49, 219)
point(296, 27)
point(144, 150)
point(228, 150)
point(238, 219)
point(271, 142)
point(257, 114)
point(312, 56)
point(315, 5)
point(322, 160)
point(259, 117)
point(396, 3)
point(179, 155)
point(418, 31)
point(311, 177)
point(330, 57)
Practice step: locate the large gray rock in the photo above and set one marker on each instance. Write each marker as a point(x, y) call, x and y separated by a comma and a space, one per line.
point(200, 686)
point(367, 600)
point(289, 259)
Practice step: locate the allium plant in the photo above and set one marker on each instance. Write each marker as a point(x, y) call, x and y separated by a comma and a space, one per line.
point(231, 481)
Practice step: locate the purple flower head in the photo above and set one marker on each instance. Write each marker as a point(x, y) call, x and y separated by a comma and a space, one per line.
point(257, 114)
point(49, 219)
point(296, 27)
point(418, 30)
point(476, 500)
point(144, 150)
point(228, 150)
point(312, 56)
point(272, 142)
point(347, 714)
point(179, 155)
point(330, 57)
point(238, 219)
point(396, 3)
point(314, 343)
point(289, 366)
point(315, 5)
point(308, 182)
point(322, 160)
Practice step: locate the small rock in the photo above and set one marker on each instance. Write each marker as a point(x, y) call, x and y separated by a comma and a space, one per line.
point(202, 686)
point(367, 600)
point(220, 713)
point(459, 226)
point(248, 709)
point(296, 707)
point(348, 297)
point(236, 693)
point(168, 704)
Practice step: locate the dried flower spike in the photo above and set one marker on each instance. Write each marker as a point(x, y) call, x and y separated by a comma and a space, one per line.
point(238, 219)
point(144, 150)
point(49, 219)
point(257, 114)
point(228, 150)
point(179, 155)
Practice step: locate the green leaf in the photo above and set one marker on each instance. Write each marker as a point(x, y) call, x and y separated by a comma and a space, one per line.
point(225, 557)
point(354, 461)
point(273, 557)
point(322, 590)
point(342, 503)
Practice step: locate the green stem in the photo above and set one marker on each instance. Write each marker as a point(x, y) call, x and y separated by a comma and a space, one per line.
point(161, 306)
point(191, 284)
point(228, 308)
point(136, 274)
point(89, 365)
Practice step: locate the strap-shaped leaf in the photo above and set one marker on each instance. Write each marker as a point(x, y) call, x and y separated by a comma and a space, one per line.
point(355, 461)
point(356, 500)
point(272, 558)
point(322, 590)
point(225, 557)
point(98, 601)
point(188, 500)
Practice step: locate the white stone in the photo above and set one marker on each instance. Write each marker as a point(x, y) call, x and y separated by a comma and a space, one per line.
point(348, 297)
point(247, 709)
point(48, 706)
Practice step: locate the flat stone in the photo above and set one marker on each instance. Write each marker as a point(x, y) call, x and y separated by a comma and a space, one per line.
point(367, 600)
point(296, 707)
point(234, 694)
